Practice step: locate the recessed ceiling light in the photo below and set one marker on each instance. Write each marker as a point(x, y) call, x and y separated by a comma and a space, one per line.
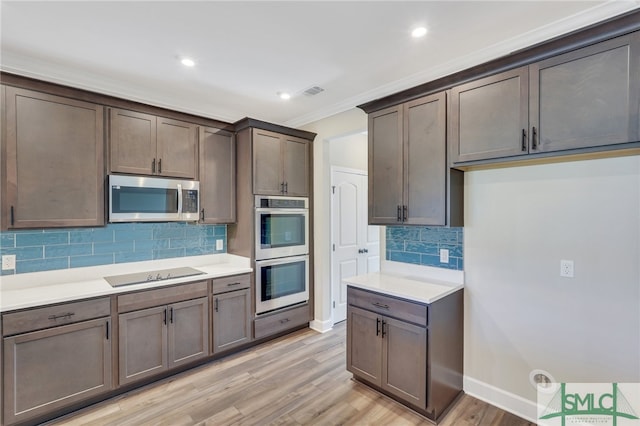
point(187, 62)
point(284, 95)
point(419, 32)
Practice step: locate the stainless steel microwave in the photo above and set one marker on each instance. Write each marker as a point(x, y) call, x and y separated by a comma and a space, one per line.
point(150, 199)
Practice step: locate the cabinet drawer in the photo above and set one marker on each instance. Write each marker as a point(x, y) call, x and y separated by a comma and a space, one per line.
point(281, 321)
point(388, 306)
point(235, 282)
point(51, 316)
point(161, 296)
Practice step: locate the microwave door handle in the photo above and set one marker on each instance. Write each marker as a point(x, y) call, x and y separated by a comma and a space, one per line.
point(179, 200)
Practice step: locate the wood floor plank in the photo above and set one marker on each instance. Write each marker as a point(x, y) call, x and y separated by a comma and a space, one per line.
point(299, 379)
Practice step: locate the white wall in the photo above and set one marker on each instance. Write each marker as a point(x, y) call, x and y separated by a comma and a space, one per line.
point(349, 151)
point(519, 313)
point(348, 123)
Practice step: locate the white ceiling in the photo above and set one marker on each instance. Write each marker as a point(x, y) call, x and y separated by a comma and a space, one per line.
point(246, 52)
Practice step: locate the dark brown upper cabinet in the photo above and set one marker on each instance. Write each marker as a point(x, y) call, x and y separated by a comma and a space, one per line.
point(54, 169)
point(586, 98)
point(488, 118)
point(217, 175)
point(408, 163)
point(149, 145)
point(280, 164)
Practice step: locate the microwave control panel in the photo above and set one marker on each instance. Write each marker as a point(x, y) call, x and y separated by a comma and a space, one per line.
point(189, 201)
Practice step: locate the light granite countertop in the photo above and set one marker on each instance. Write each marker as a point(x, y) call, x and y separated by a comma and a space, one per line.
point(42, 288)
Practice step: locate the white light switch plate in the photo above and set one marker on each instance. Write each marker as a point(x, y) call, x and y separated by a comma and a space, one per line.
point(8, 262)
point(444, 255)
point(219, 245)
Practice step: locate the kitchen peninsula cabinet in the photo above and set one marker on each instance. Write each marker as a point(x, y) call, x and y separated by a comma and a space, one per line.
point(45, 136)
point(54, 357)
point(585, 98)
point(217, 176)
point(280, 164)
point(409, 182)
point(146, 144)
point(231, 312)
point(161, 337)
point(409, 350)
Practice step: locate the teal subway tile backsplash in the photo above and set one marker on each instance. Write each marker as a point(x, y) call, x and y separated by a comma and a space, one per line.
point(421, 245)
point(43, 250)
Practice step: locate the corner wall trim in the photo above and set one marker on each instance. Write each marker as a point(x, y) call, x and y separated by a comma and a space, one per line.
point(502, 399)
point(321, 326)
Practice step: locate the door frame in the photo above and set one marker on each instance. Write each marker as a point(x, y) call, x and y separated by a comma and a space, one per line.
point(332, 205)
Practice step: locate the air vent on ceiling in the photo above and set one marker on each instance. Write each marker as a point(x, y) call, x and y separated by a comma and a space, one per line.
point(312, 91)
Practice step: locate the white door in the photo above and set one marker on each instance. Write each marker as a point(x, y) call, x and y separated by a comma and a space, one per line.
point(355, 246)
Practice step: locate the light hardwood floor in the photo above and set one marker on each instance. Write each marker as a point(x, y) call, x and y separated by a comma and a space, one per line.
point(299, 379)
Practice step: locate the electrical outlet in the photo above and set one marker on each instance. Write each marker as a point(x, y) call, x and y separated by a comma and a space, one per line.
point(8, 262)
point(444, 256)
point(566, 268)
point(219, 244)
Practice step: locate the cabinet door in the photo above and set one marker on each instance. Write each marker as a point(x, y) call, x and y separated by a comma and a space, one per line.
point(425, 161)
point(364, 344)
point(46, 137)
point(231, 319)
point(142, 344)
point(188, 338)
point(489, 117)
point(588, 97)
point(267, 163)
point(296, 166)
point(132, 141)
point(49, 369)
point(385, 166)
point(217, 171)
point(176, 148)
point(404, 361)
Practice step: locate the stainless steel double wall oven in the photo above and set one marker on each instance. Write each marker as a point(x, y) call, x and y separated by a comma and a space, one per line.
point(282, 252)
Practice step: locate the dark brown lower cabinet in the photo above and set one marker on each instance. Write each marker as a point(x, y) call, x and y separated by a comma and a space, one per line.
point(53, 368)
point(407, 350)
point(231, 319)
point(389, 353)
point(160, 338)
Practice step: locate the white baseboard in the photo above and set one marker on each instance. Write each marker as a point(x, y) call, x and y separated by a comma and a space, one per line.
point(500, 398)
point(321, 326)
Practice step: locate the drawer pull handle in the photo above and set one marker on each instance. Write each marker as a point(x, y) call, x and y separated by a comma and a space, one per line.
point(534, 138)
point(524, 140)
point(383, 324)
point(380, 305)
point(232, 284)
point(377, 326)
point(283, 321)
point(68, 315)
